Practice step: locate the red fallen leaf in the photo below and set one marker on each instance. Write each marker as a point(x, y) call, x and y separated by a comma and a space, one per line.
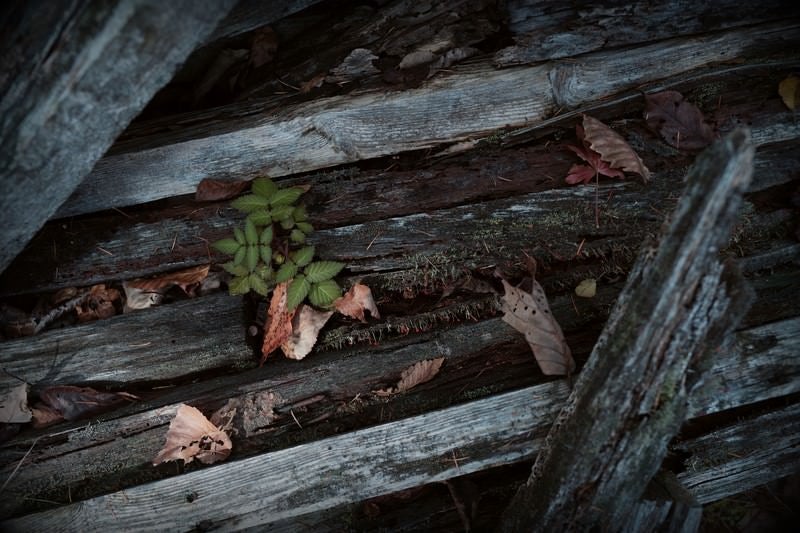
point(98, 304)
point(357, 300)
point(612, 148)
point(191, 436)
point(278, 327)
point(214, 190)
point(585, 173)
point(679, 122)
point(77, 402)
point(44, 416)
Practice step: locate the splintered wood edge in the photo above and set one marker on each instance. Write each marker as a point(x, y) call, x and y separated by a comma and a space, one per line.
point(323, 474)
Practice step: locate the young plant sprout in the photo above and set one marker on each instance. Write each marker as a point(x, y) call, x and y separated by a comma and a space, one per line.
point(271, 248)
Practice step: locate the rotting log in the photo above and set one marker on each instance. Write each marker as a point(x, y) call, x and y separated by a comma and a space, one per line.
point(476, 99)
point(632, 395)
point(67, 93)
point(320, 475)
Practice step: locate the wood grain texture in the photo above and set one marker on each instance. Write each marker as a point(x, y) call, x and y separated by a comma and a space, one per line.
point(474, 100)
point(68, 94)
point(631, 397)
point(153, 345)
point(123, 443)
point(323, 474)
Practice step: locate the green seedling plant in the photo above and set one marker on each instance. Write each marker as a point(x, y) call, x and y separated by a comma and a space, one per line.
point(271, 248)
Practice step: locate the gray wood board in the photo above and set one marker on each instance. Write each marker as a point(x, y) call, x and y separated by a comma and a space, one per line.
point(67, 94)
point(122, 443)
point(319, 475)
point(474, 100)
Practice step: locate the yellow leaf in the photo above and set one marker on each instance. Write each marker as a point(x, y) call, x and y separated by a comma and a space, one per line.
point(586, 288)
point(789, 89)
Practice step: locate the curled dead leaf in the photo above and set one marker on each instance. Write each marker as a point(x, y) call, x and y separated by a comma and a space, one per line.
point(278, 327)
point(78, 402)
point(306, 324)
point(191, 436)
point(529, 313)
point(416, 374)
point(357, 300)
point(14, 405)
point(613, 148)
point(98, 304)
point(144, 293)
point(679, 122)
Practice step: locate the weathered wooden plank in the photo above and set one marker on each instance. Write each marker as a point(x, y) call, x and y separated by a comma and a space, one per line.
point(745, 454)
point(134, 348)
point(632, 395)
point(117, 445)
point(338, 130)
point(538, 27)
point(312, 477)
point(66, 93)
point(248, 15)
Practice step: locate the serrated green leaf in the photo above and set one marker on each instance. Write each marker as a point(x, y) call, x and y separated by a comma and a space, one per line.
point(296, 293)
point(250, 232)
point(286, 272)
point(287, 223)
point(300, 214)
point(260, 217)
point(266, 236)
point(239, 257)
point(281, 212)
point(264, 272)
point(239, 235)
point(239, 285)
point(236, 270)
point(305, 227)
point(286, 196)
point(266, 253)
point(257, 284)
point(303, 256)
point(264, 187)
point(252, 257)
point(324, 293)
point(319, 271)
point(227, 246)
point(297, 236)
point(249, 203)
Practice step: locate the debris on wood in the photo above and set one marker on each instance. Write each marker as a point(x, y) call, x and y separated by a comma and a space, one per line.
point(192, 436)
point(789, 89)
point(14, 405)
point(305, 326)
point(144, 293)
point(211, 190)
point(529, 313)
point(73, 403)
point(250, 414)
point(278, 327)
point(98, 304)
point(678, 122)
point(586, 288)
point(357, 300)
point(263, 47)
point(414, 375)
point(612, 148)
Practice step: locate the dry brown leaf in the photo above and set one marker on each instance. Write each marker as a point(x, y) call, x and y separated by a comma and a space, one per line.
point(306, 324)
point(250, 414)
point(414, 375)
point(263, 47)
point(44, 416)
point(191, 436)
point(144, 293)
point(357, 300)
point(679, 122)
point(98, 304)
point(530, 315)
point(77, 402)
point(14, 405)
point(278, 327)
point(612, 147)
point(215, 190)
point(789, 89)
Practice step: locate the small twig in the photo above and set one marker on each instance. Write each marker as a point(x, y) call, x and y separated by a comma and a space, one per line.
point(373, 240)
point(16, 468)
point(291, 412)
point(121, 212)
point(104, 250)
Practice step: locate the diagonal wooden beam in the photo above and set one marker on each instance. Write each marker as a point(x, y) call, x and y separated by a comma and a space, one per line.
point(73, 77)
